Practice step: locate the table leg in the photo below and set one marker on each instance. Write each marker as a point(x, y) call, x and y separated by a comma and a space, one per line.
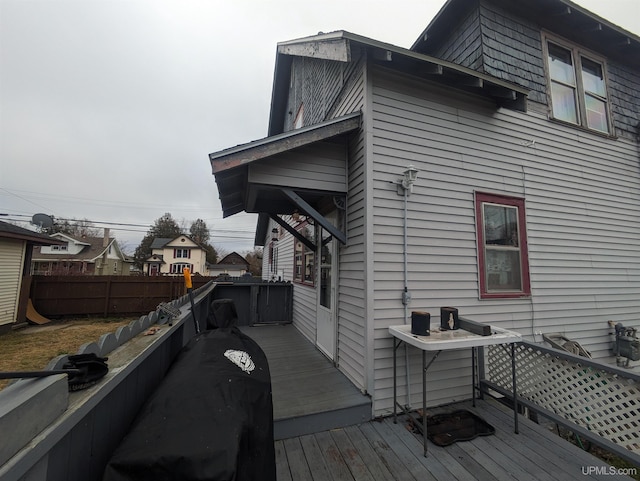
point(473, 376)
point(395, 383)
point(515, 391)
point(424, 401)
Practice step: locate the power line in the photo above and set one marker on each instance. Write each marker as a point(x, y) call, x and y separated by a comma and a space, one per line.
point(234, 234)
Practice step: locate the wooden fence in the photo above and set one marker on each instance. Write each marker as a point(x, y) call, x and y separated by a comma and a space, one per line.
point(54, 296)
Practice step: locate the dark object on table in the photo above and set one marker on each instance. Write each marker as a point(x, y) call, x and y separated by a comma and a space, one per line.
point(475, 327)
point(449, 318)
point(420, 322)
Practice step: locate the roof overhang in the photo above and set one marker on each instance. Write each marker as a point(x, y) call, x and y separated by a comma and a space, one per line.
point(239, 192)
point(563, 17)
point(231, 167)
point(344, 46)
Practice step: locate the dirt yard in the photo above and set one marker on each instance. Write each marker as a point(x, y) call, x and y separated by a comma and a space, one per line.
point(31, 348)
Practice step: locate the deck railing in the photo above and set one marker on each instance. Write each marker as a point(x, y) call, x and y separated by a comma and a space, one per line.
point(596, 401)
point(49, 433)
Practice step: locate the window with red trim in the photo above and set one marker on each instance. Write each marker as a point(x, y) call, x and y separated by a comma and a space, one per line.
point(503, 261)
point(304, 264)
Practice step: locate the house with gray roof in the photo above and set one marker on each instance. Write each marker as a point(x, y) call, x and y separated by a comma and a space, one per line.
point(83, 255)
point(493, 166)
point(169, 256)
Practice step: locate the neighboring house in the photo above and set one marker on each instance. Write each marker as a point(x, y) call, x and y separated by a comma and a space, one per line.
point(171, 256)
point(232, 264)
point(81, 256)
point(16, 246)
point(520, 119)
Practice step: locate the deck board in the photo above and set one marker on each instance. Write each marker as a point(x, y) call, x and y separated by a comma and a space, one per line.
point(309, 393)
point(380, 450)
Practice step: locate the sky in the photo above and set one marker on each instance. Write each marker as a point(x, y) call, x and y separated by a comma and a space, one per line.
point(109, 108)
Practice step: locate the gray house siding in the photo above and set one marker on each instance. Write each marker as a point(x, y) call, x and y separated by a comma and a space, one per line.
point(318, 166)
point(331, 89)
point(351, 336)
point(304, 297)
point(582, 197)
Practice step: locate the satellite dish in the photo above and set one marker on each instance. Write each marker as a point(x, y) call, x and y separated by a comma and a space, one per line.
point(43, 221)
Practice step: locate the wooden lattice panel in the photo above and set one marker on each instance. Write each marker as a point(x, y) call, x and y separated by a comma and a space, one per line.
point(600, 401)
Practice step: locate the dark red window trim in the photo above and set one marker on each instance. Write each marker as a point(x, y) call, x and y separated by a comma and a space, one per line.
point(301, 280)
point(480, 199)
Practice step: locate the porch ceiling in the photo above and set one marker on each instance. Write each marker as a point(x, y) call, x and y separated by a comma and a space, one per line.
point(239, 193)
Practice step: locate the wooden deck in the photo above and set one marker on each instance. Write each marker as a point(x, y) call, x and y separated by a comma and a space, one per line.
point(381, 450)
point(309, 394)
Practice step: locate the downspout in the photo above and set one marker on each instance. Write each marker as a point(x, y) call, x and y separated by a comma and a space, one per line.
point(406, 296)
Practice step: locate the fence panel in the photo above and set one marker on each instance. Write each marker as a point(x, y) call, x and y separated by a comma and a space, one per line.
point(258, 301)
point(105, 295)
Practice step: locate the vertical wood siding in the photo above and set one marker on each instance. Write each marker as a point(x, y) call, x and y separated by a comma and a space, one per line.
point(11, 259)
point(582, 197)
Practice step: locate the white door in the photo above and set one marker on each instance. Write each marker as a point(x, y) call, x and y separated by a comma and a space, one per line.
point(326, 311)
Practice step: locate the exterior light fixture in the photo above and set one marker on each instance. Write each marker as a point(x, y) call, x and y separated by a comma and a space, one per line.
point(405, 185)
point(274, 234)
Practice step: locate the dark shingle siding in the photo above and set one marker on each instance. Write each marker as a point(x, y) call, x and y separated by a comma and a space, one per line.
point(513, 50)
point(624, 89)
point(464, 45)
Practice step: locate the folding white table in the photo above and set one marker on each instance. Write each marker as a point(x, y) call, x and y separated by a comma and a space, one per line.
point(445, 340)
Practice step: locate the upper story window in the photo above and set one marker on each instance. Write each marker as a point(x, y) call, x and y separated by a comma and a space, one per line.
point(503, 261)
point(182, 253)
point(577, 87)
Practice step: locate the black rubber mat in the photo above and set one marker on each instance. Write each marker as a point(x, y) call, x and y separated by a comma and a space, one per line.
point(448, 428)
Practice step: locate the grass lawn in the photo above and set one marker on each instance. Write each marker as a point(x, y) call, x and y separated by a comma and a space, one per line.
point(31, 348)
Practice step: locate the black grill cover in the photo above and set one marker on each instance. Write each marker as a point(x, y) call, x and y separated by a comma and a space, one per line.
point(210, 419)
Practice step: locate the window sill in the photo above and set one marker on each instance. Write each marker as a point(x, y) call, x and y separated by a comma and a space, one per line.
point(582, 128)
point(505, 295)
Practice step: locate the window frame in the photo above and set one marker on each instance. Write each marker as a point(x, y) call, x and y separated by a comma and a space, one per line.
point(302, 251)
point(482, 198)
point(577, 54)
point(182, 253)
point(178, 267)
